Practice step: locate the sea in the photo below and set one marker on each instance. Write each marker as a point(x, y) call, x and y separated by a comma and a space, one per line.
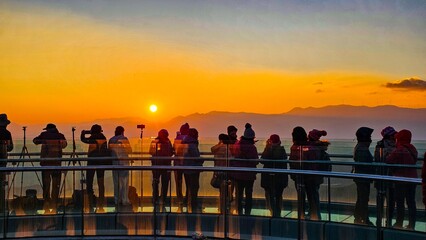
point(341, 190)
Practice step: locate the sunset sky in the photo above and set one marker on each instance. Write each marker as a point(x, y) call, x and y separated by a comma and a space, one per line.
point(72, 61)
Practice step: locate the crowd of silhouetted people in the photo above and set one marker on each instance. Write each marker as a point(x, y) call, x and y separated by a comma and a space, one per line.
point(308, 152)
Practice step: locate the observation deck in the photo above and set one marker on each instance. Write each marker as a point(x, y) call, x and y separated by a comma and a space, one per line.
point(73, 218)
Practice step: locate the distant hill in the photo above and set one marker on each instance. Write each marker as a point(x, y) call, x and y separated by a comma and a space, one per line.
point(340, 121)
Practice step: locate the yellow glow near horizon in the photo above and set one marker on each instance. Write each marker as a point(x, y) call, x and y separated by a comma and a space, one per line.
point(153, 108)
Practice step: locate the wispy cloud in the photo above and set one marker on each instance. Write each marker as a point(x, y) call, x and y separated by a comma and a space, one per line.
point(318, 83)
point(412, 84)
point(319, 91)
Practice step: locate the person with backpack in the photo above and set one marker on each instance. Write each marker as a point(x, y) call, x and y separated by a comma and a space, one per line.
point(97, 149)
point(161, 150)
point(52, 142)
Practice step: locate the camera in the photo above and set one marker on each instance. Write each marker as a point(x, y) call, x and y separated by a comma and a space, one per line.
point(141, 126)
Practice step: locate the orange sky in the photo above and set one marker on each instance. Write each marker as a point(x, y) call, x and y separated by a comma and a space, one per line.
point(60, 65)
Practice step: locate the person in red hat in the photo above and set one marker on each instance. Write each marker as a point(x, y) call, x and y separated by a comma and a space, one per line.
point(161, 147)
point(383, 149)
point(404, 153)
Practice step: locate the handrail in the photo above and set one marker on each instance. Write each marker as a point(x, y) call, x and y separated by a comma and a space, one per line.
point(221, 169)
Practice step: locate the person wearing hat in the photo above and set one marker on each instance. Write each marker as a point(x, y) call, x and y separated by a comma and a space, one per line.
point(404, 153)
point(97, 148)
point(274, 184)
point(317, 152)
point(52, 142)
point(6, 145)
point(246, 156)
point(161, 147)
point(120, 150)
point(386, 190)
point(362, 154)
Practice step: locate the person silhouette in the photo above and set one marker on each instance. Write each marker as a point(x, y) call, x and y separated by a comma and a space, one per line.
point(120, 149)
point(97, 148)
point(6, 146)
point(52, 142)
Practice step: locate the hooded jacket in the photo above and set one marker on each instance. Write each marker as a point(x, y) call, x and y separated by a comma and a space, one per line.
point(161, 147)
point(404, 153)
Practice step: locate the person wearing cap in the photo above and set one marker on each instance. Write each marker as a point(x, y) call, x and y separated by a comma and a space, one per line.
point(6, 145)
point(246, 156)
point(120, 150)
point(98, 148)
point(161, 147)
point(317, 152)
point(274, 183)
point(386, 190)
point(362, 154)
point(179, 150)
point(52, 142)
point(404, 153)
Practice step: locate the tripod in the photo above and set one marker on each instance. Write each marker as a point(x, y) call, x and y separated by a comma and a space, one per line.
point(22, 156)
point(72, 156)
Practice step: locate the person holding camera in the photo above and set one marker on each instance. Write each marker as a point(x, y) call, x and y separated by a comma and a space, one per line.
point(97, 149)
point(52, 142)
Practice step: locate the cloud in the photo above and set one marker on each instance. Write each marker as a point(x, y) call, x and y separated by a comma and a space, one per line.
point(318, 83)
point(319, 91)
point(412, 84)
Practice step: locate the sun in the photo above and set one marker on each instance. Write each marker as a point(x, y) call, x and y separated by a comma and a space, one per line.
point(153, 108)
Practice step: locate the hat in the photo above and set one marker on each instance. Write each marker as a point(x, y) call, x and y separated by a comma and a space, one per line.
point(163, 133)
point(388, 131)
point(403, 136)
point(364, 134)
point(315, 134)
point(275, 138)
point(249, 133)
point(3, 120)
point(231, 128)
point(50, 126)
point(184, 129)
point(96, 129)
point(299, 134)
